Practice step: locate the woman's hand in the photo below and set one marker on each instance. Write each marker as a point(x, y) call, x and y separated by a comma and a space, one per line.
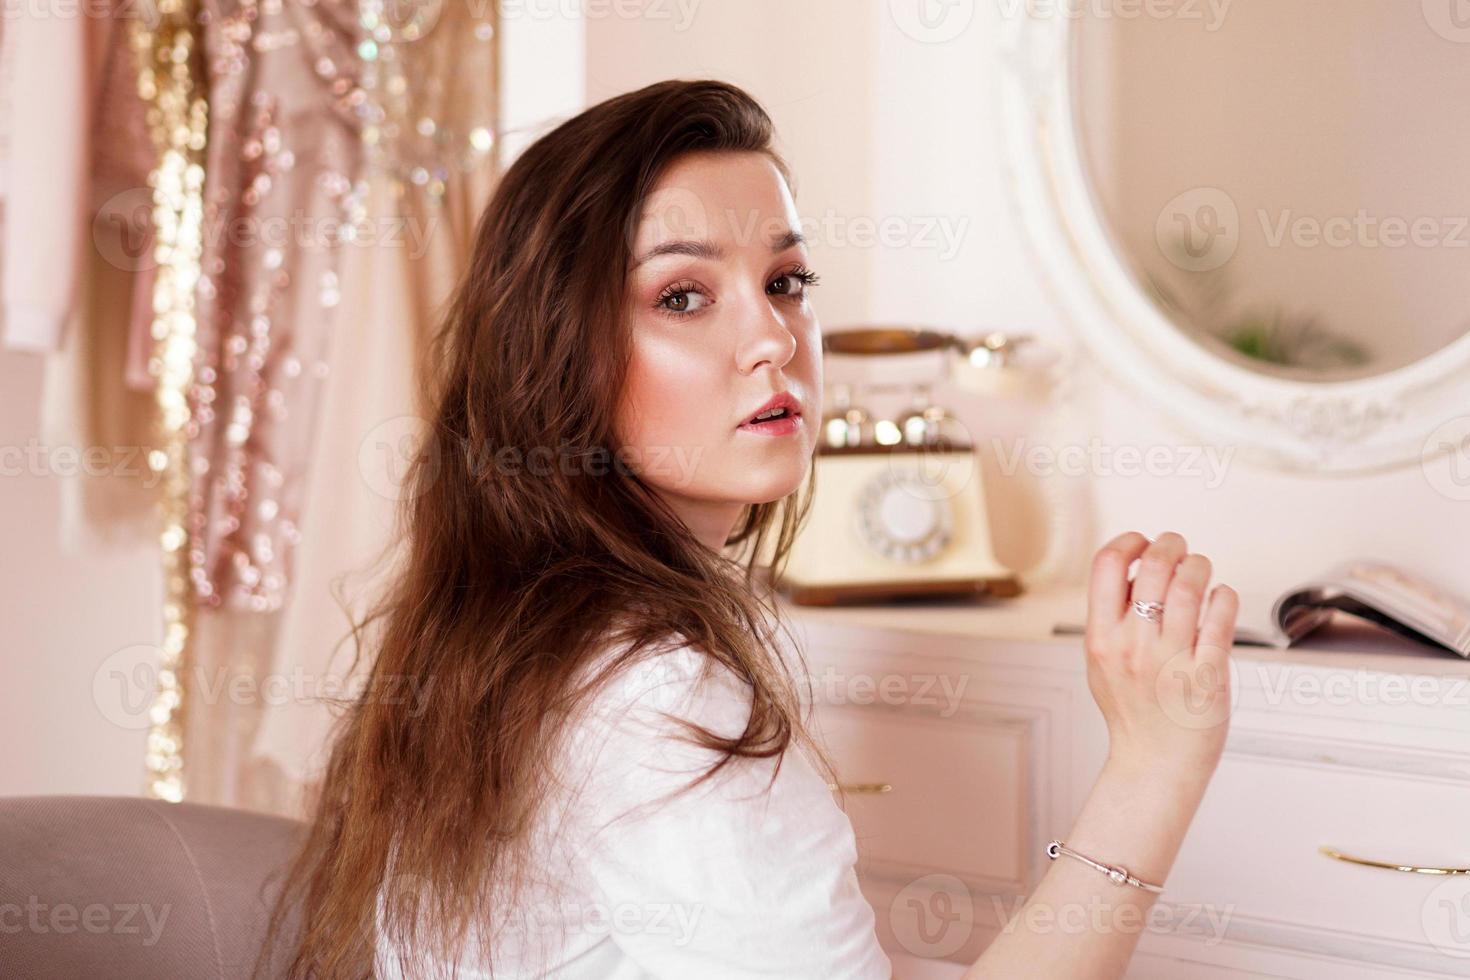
point(1164, 688)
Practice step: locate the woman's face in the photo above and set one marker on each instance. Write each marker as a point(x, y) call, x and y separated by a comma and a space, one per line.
point(721, 321)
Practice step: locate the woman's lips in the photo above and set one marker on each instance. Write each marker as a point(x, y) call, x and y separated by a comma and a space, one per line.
point(786, 425)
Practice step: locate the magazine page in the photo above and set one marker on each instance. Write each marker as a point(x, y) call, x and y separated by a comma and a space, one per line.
point(1381, 593)
point(1255, 625)
point(1301, 610)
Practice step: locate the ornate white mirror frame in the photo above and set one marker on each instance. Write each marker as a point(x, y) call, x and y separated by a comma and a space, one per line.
point(1390, 420)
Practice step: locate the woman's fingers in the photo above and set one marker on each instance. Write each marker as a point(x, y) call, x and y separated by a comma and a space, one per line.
point(1156, 567)
point(1183, 601)
point(1217, 630)
point(1107, 594)
point(1163, 688)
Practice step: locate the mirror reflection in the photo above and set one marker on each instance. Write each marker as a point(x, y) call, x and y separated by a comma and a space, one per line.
point(1287, 181)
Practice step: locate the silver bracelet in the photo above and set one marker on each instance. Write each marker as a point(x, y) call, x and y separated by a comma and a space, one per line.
point(1117, 873)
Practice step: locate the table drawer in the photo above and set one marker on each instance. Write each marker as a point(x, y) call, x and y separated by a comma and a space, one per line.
point(1253, 853)
point(959, 791)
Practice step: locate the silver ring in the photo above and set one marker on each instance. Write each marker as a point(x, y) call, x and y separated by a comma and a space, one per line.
point(1151, 611)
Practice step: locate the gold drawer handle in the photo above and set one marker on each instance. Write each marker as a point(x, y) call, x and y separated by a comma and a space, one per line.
point(861, 787)
point(1338, 855)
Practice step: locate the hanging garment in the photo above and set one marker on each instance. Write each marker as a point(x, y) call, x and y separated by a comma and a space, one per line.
point(75, 262)
point(281, 197)
point(77, 160)
point(269, 754)
point(429, 121)
point(295, 90)
point(285, 207)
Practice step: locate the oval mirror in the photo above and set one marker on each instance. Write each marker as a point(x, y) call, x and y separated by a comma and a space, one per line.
point(1258, 211)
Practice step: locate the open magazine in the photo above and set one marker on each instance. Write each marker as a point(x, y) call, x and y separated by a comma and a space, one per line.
point(1374, 591)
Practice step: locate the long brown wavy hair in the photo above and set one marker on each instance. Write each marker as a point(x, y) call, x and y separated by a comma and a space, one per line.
point(511, 582)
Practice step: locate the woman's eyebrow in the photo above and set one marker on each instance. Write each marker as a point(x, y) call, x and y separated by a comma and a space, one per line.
point(705, 249)
point(699, 249)
point(788, 240)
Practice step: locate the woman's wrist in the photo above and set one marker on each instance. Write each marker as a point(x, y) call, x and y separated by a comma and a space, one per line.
point(1154, 773)
point(1138, 813)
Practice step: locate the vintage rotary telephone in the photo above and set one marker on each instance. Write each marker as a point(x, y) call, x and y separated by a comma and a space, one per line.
point(899, 507)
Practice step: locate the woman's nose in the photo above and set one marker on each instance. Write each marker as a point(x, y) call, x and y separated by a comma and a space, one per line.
point(768, 341)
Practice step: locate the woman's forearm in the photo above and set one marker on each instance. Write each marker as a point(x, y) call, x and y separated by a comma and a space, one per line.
point(1077, 924)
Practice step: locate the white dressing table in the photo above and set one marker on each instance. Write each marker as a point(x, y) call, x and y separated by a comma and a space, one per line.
point(967, 738)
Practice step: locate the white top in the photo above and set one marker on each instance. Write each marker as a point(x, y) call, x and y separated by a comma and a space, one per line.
point(728, 881)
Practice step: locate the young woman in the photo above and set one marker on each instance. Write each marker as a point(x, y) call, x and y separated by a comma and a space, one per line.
point(613, 777)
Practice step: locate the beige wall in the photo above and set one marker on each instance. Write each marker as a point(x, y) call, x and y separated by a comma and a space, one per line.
point(63, 616)
point(810, 65)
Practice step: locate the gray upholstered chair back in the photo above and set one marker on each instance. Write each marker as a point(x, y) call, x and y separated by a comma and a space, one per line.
point(127, 888)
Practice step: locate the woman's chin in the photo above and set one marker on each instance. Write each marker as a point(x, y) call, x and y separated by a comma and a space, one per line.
point(772, 482)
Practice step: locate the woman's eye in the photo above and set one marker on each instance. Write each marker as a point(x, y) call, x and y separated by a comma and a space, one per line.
point(682, 301)
point(794, 283)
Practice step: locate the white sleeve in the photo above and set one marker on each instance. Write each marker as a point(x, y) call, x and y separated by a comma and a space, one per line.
point(727, 881)
point(46, 184)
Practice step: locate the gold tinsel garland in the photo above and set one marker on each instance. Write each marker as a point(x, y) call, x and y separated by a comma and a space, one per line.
point(171, 85)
